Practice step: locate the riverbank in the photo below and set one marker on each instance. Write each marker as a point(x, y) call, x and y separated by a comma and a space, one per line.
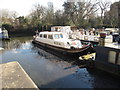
point(21, 33)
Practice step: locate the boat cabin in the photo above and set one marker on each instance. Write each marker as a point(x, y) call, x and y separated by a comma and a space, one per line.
point(51, 35)
point(58, 39)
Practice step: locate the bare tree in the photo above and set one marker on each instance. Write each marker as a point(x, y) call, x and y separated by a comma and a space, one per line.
point(14, 14)
point(103, 8)
point(80, 11)
point(7, 17)
point(37, 14)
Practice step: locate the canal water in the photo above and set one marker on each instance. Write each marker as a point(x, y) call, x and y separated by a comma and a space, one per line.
point(49, 70)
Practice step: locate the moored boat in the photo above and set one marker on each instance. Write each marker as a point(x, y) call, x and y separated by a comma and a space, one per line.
point(60, 42)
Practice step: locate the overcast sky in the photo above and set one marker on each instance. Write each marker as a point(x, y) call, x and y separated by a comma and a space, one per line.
point(23, 7)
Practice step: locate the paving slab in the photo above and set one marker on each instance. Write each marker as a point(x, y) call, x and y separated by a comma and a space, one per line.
point(12, 75)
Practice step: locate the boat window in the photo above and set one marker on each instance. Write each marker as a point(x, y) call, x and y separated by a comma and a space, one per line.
point(61, 36)
point(50, 36)
point(45, 35)
point(40, 35)
point(56, 36)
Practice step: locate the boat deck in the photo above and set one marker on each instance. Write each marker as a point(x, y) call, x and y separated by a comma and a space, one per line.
point(113, 45)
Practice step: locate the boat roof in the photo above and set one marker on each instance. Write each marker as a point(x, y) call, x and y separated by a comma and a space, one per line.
point(46, 32)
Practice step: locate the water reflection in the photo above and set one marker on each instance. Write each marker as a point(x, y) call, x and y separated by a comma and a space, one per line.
point(14, 43)
point(50, 69)
point(73, 60)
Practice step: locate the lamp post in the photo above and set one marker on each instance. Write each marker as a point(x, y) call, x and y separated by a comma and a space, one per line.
point(119, 21)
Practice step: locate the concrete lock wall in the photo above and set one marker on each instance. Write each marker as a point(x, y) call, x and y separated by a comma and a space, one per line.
point(108, 59)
